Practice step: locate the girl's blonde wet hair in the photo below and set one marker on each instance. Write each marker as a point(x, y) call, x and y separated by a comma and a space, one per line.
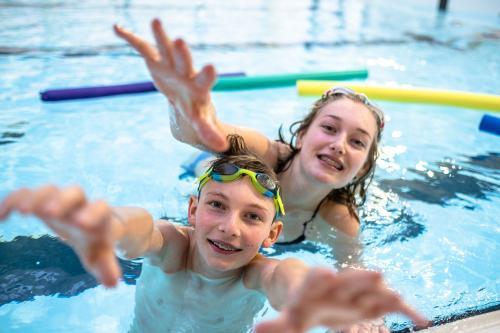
point(352, 195)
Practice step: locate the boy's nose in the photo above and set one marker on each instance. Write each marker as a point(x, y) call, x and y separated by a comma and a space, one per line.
point(230, 225)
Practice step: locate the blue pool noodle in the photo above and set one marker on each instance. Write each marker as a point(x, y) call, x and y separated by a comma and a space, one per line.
point(100, 91)
point(490, 124)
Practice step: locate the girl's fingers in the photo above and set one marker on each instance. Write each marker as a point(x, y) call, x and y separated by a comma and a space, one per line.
point(211, 136)
point(182, 59)
point(148, 52)
point(205, 79)
point(163, 42)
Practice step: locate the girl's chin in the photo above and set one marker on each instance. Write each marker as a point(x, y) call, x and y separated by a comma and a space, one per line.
point(327, 176)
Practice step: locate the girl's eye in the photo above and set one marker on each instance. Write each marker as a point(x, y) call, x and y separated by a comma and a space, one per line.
point(329, 128)
point(254, 217)
point(359, 143)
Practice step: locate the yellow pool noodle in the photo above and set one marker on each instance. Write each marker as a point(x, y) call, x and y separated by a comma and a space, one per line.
point(407, 95)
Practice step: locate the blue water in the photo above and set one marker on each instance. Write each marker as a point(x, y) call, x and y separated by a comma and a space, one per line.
point(431, 223)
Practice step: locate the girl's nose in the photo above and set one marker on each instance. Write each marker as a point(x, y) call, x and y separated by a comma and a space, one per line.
point(338, 145)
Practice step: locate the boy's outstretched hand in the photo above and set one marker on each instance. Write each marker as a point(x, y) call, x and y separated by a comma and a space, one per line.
point(337, 300)
point(171, 68)
point(84, 225)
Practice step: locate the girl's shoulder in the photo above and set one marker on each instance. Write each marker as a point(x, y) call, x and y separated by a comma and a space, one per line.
point(340, 217)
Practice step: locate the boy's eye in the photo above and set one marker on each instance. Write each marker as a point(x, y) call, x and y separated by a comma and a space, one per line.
point(216, 204)
point(254, 217)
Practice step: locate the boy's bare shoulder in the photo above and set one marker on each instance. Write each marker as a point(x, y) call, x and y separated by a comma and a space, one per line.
point(172, 257)
point(258, 270)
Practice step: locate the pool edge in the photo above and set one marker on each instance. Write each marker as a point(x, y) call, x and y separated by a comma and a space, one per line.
point(483, 323)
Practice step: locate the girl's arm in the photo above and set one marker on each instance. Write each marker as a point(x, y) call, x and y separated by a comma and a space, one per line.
point(193, 119)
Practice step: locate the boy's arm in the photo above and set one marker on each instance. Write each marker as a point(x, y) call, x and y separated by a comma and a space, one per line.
point(309, 297)
point(193, 119)
point(278, 279)
point(91, 228)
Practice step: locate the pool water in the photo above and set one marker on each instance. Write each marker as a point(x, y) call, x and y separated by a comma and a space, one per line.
point(431, 221)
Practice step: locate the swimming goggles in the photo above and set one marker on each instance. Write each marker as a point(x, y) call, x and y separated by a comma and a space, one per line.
point(227, 172)
point(344, 91)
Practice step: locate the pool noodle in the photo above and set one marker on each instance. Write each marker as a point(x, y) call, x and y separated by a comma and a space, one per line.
point(490, 124)
point(101, 91)
point(283, 80)
point(408, 95)
point(225, 82)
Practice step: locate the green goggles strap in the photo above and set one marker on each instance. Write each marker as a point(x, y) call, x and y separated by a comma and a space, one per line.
point(210, 174)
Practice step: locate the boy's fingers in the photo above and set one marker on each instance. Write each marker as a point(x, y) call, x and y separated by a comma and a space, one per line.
point(107, 269)
point(163, 42)
point(352, 284)
point(19, 200)
point(6, 206)
point(416, 317)
point(140, 45)
point(182, 58)
point(63, 204)
point(93, 217)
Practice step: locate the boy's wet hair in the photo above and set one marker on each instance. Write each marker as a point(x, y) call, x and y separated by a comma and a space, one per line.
point(239, 155)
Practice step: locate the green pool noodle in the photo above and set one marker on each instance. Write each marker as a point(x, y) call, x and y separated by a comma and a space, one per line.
point(283, 80)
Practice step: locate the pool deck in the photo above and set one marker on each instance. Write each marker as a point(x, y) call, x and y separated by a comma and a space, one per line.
point(484, 323)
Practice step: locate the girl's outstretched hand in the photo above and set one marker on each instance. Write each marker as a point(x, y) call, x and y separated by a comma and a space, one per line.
point(84, 225)
point(337, 301)
point(171, 68)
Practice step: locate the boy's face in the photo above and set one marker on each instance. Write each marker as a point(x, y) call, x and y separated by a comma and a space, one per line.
point(232, 221)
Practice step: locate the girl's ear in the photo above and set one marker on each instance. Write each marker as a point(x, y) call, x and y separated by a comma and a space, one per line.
point(274, 233)
point(193, 206)
point(298, 143)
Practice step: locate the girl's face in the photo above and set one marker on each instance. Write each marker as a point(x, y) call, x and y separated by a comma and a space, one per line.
point(335, 147)
point(231, 222)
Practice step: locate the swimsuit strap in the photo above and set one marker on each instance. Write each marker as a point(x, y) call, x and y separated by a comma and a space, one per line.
point(302, 237)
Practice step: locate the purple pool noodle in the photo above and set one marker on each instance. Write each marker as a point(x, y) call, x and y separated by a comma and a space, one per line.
point(100, 91)
point(490, 124)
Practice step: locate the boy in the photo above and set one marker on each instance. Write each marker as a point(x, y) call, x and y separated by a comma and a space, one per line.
point(209, 276)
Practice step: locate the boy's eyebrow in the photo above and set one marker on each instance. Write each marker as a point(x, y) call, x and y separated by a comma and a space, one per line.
point(359, 129)
point(218, 194)
point(222, 195)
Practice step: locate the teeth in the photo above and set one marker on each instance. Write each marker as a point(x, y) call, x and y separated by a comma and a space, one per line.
point(224, 246)
point(331, 162)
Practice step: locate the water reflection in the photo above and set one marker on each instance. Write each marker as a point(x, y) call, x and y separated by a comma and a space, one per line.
point(9, 137)
point(46, 266)
point(448, 182)
point(405, 226)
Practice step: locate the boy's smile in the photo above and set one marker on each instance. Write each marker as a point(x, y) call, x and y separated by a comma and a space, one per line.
point(222, 247)
point(231, 222)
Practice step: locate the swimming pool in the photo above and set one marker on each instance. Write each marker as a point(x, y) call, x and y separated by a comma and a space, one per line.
point(431, 223)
